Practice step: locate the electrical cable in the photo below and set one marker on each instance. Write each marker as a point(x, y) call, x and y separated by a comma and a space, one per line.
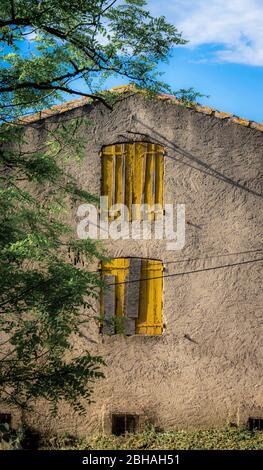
point(186, 272)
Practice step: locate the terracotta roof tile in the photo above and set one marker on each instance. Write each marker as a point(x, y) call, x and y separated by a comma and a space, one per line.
point(57, 109)
point(256, 125)
point(242, 121)
point(127, 88)
point(205, 110)
point(222, 115)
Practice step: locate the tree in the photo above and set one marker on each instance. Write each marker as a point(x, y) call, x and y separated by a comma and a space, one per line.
point(46, 46)
point(72, 39)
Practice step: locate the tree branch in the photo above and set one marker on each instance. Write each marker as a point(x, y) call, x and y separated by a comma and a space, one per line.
point(44, 86)
point(15, 21)
point(12, 9)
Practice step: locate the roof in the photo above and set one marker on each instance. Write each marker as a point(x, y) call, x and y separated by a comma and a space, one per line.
point(78, 103)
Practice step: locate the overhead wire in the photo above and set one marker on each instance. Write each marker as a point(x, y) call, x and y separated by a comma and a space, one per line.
point(213, 256)
point(186, 272)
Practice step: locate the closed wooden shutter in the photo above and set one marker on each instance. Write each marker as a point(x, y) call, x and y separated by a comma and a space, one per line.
point(150, 321)
point(107, 173)
point(132, 173)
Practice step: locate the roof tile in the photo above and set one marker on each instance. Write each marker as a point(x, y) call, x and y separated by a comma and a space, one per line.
point(204, 109)
point(222, 115)
point(73, 104)
point(242, 121)
point(256, 125)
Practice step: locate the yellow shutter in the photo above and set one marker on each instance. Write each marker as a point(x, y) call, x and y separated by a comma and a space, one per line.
point(159, 175)
point(138, 175)
point(107, 172)
point(150, 320)
point(118, 268)
point(132, 173)
point(118, 176)
point(149, 178)
point(129, 156)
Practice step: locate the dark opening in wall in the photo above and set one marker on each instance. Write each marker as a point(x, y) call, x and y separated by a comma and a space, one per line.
point(5, 418)
point(123, 423)
point(255, 424)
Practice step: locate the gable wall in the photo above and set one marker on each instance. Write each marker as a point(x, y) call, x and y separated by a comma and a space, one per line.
point(205, 370)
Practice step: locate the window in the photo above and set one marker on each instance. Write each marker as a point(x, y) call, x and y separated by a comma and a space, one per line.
point(132, 302)
point(133, 174)
point(5, 418)
point(255, 424)
point(123, 423)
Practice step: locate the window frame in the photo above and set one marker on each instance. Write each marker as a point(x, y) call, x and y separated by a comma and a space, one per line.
point(133, 173)
point(149, 320)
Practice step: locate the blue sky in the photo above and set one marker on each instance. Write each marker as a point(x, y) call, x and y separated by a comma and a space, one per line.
point(224, 56)
point(234, 88)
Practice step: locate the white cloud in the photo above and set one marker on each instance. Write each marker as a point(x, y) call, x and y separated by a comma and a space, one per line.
point(31, 36)
point(235, 25)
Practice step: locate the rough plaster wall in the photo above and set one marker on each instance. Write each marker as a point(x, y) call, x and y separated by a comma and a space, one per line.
point(206, 369)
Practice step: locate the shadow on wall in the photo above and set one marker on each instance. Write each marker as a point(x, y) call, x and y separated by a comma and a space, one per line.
point(201, 166)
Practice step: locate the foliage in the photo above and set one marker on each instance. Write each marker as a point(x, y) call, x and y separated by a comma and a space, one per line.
point(213, 439)
point(47, 45)
point(45, 297)
point(10, 438)
point(228, 438)
point(189, 96)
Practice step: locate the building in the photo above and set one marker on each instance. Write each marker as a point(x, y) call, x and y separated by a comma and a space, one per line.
point(189, 354)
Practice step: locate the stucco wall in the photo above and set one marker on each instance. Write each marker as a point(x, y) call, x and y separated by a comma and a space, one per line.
point(206, 369)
